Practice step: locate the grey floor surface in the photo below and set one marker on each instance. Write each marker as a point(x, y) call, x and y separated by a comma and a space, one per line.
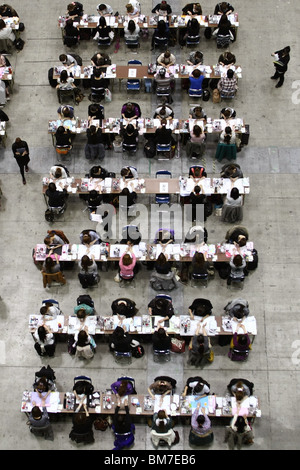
point(271, 214)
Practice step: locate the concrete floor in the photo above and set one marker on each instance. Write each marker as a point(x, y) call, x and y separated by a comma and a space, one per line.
point(271, 214)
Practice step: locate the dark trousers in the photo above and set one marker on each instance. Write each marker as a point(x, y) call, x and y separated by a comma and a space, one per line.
point(23, 163)
point(279, 75)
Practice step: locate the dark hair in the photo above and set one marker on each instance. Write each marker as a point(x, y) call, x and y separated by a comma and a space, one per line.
point(242, 340)
point(228, 135)
point(193, 27)
point(161, 26)
point(200, 420)
point(197, 130)
point(237, 260)
point(161, 415)
point(52, 187)
point(242, 241)
point(2, 24)
point(198, 57)
point(36, 412)
point(127, 260)
point(122, 390)
point(81, 313)
point(62, 57)
point(86, 262)
point(235, 194)
point(49, 262)
point(196, 73)
point(240, 424)
point(230, 73)
point(198, 259)
point(200, 342)
point(102, 22)
point(130, 129)
point(102, 6)
point(131, 26)
point(63, 76)
point(161, 259)
point(197, 189)
point(161, 332)
point(42, 333)
point(82, 338)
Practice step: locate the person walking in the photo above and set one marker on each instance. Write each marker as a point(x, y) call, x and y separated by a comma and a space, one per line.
point(21, 153)
point(281, 61)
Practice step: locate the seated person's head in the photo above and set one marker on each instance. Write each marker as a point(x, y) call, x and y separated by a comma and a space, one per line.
point(127, 260)
point(36, 413)
point(81, 314)
point(86, 239)
point(197, 131)
point(230, 73)
point(237, 260)
point(162, 72)
point(129, 8)
point(234, 193)
point(52, 187)
point(242, 240)
point(198, 111)
point(64, 76)
point(63, 58)
point(196, 73)
point(197, 189)
point(58, 172)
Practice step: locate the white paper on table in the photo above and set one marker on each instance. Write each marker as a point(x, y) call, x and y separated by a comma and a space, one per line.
point(122, 249)
point(162, 403)
point(163, 187)
point(132, 73)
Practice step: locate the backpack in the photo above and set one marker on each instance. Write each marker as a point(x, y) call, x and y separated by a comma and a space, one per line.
point(251, 265)
point(52, 81)
point(49, 216)
point(205, 94)
point(150, 149)
point(208, 32)
point(19, 44)
point(85, 299)
point(138, 351)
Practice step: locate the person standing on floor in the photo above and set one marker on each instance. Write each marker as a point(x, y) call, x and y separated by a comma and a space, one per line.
point(21, 153)
point(281, 61)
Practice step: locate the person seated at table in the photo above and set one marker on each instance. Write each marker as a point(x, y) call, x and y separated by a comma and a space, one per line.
point(164, 112)
point(131, 30)
point(6, 32)
point(162, 429)
point(104, 9)
point(200, 308)
point(98, 171)
point(162, 307)
point(6, 11)
point(195, 58)
point(239, 432)
point(162, 9)
point(131, 198)
point(232, 210)
point(228, 85)
point(201, 433)
point(197, 173)
point(227, 113)
point(160, 338)
point(63, 137)
point(228, 135)
point(99, 82)
point(88, 271)
point(162, 265)
point(227, 59)
point(94, 147)
point(222, 8)
point(66, 82)
point(82, 428)
point(55, 239)
point(127, 263)
point(237, 309)
point(49, 310)
point(163, 80)
point(240, 385)
point(163, 135)
point(89, 237)
point(232, 171)
point(74, 10)
point(166, 59)
point(198, 198)
point(161, 386)
point(103, 32)
point(43, 386)
point(164, 237)
point(130, 136)
point(81, 311)
point(240, 345)
point(123, 427)
point(196, 79)
point(132, 11)
point(197, 112)
point(192, 9)
point(223, 32)
point(237, 265)
point(123, 387)
point(129, 172)
point(100, 59)
point(51, 266)
point(44, 341)
point(200, 347)
point(84, 344)
point(161, 34)
point(200, 265)
point(96, 112)
point(121, 340)
point(130, 111)
point(94, 200)
point(196, 386)
point(237, 235)
point(124, 307)
point(197, 136)
point(59, 172)
point(39, 419)
point(68, 60)
point(71, 33)
point(56, 198)
point(65, 112)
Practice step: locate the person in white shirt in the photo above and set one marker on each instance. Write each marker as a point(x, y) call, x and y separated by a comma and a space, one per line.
point(104, 9)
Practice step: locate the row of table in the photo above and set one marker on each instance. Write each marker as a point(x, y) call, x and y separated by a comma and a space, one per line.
point(142, 404)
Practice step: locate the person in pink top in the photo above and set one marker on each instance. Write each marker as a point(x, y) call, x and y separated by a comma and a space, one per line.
point(127, 263)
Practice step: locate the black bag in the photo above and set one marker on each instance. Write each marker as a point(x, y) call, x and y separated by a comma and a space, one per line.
point(49, 216)
point(205, 94)
point(85, 299)
point(207, 33)
point(87, 280)
point(19, 44)
point(71, 345)
point(138, 351)
point(21, 27)
point(223, 269)
point(52, 81)
point(150, 149)
point(251, 265)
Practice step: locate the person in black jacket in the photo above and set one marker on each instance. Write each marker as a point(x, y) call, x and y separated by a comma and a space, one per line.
point(56, 198)
point(122, 427)
point(200, 308)
point(94, 147)
point(281, 61)
point(121, 341)
point(21, 153)
point(160, 339)
point(161, 307)
point(162, 8)
point(124, 307)
point(74, 10)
